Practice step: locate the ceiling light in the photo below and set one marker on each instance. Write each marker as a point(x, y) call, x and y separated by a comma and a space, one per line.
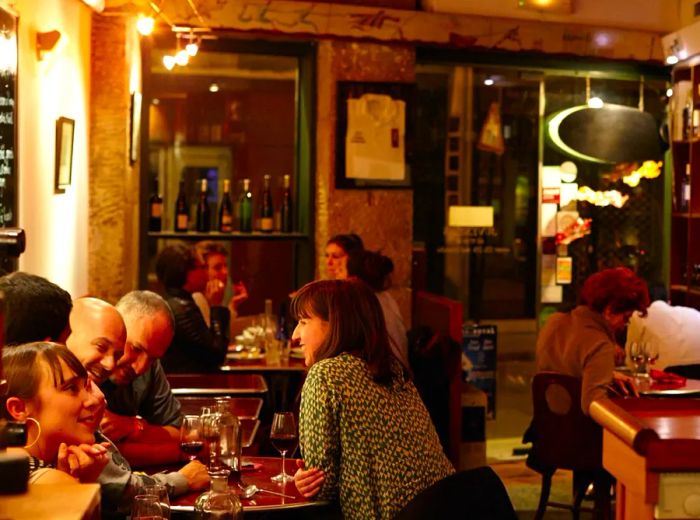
point(192, 48)
point(213, 87)
point(181, 58)
point(144, 25)
point(672, 60)
point(169, 62)
point(488, 82)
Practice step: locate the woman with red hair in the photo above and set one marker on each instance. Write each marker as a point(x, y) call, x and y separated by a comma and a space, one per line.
point(581, 343)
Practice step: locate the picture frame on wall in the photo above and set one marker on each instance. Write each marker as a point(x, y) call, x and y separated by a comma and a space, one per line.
point(373, 135)
point(65, 131)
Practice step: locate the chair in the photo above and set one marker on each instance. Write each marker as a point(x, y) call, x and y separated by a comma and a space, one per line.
point(474, 494)
point(564, 438)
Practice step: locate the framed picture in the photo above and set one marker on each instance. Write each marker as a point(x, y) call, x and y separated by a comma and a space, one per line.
point(135, 135)
point(373, 135)
point(65, 129)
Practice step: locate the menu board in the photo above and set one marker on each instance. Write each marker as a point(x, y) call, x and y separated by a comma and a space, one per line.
point(8, 117)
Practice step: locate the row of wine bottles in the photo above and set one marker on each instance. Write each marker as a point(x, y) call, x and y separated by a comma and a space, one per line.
point(226, 218)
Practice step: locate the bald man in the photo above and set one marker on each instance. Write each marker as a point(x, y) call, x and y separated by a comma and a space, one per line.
point(97, 337)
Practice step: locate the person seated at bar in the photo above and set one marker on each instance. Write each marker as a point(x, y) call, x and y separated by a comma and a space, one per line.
point(28, 296)
point(216, 257)
point(195, 347)
point(365, 435)
point(673, 328)
point(581, 343)
point(97, 336)
point(375, 270)
point(48, 388)
point(143, 417)
point(338, 248)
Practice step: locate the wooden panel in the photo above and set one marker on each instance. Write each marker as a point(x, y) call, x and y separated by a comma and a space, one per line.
point(55, 501)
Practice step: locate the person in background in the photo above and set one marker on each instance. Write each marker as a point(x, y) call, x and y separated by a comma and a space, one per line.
point(216, 257)
point(97, 336)
point(673, 328)
point(338, 248)
point(28, 296)
point(143, 417)
point(375, 270)
point(581, 343)
point(365, 435)
point(195, 347)
point(48, 388)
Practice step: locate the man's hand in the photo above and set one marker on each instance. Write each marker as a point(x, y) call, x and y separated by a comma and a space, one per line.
point(214, 292)
point(118, 427)
point(241, 294)
point(84, 462)
point(308, 482)
point(623, 385)
point(196, 474)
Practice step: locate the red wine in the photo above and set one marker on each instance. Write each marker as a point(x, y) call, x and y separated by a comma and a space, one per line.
point(192, 447)
point(285, 442)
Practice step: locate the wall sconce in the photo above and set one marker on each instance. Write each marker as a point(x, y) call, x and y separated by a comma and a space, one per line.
point(552, 6)
point(45, 43)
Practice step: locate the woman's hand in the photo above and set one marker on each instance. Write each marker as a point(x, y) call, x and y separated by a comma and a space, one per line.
point(308, 481)
point(214, 292)
point(196, 474)
point(623, 385)
point(241, 294)
point(84, 462)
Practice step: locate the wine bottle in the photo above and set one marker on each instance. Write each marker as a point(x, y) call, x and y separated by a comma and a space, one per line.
point(155, 209)
point(267, 213)
point(182, 214)
point(226, 210)
point(203, 213)
point(245, 208)
point(286, 207)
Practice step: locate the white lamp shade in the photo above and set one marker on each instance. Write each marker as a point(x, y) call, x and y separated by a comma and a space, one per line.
point(470, 216)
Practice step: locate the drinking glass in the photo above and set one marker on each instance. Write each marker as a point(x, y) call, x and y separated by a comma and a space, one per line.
point(283, 435)
point(210, 429)
point(652, 353)
point(146, 507)
point(638, 356)
point(161, 492)
point(191, 436)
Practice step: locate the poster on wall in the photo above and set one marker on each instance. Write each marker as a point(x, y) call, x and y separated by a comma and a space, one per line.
point(8, 116)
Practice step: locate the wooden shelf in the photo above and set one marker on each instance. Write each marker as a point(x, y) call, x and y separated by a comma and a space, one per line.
point(235, 235)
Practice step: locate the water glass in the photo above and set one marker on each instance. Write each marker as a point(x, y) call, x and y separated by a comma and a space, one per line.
point(161, 492)
point(146, 507)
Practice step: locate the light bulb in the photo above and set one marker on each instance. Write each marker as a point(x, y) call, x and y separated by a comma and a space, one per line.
point(181, 58)
point(488, 82)
point(192, 48)
point(169, 62)
point(595, 102)
point(671, 60)
point(144, 25)
point(669, 92)
point(213, 87)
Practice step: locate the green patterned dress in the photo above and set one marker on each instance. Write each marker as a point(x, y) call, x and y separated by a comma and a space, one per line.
point(376, 444)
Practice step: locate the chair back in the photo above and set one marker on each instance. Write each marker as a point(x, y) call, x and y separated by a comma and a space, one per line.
point(563, 436)
point(474, 494)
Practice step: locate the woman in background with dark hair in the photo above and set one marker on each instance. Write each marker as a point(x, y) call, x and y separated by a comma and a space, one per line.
point(338, 248)
point(375, 270)
point(364, 432)
point(581, 343)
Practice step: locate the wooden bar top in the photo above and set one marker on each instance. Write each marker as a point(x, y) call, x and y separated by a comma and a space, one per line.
point(666, 432)
point(55, 501)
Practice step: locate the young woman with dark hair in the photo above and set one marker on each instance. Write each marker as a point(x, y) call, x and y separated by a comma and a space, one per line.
point(375, 270)
point(364, 432)
point(581, 343)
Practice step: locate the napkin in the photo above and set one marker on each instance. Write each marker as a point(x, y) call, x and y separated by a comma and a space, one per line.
point(666, 380)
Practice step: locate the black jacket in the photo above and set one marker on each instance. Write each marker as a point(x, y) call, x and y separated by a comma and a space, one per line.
point(195, 347)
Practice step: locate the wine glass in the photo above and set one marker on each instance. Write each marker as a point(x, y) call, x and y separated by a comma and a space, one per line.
point(161, 492)
point(146, 507)
point(283, 435)
point(638, 356)
point(652, 353)
point(191, 436)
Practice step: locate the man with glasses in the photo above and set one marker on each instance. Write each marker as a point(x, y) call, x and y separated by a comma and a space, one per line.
point(196, 346)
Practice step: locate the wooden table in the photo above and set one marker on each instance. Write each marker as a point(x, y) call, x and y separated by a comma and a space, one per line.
point(262, 501)
point(217, 384)
point(55, 501)
point(652, 447)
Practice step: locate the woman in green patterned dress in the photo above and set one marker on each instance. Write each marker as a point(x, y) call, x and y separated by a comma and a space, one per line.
point(365, 435)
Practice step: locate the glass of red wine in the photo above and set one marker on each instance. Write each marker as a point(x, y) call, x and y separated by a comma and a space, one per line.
point(191, 436)
point(283, 435)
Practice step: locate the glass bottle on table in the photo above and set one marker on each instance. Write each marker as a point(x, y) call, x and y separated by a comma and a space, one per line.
point(267, 213)
point(219, 502)
point(228, 450)
point(182, 211)
point(155, 209)
point(203, 212)
point(226, 209)
point(245, 208)
point(286, 211)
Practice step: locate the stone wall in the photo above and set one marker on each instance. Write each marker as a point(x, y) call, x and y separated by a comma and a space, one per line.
point(383, 218)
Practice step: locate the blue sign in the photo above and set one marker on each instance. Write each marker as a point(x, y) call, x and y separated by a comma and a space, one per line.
point(479, 347)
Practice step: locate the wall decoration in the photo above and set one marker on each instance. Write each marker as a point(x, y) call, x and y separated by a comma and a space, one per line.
point(65, 129)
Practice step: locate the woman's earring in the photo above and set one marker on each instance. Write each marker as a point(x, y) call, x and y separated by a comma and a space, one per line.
point(38, 427)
